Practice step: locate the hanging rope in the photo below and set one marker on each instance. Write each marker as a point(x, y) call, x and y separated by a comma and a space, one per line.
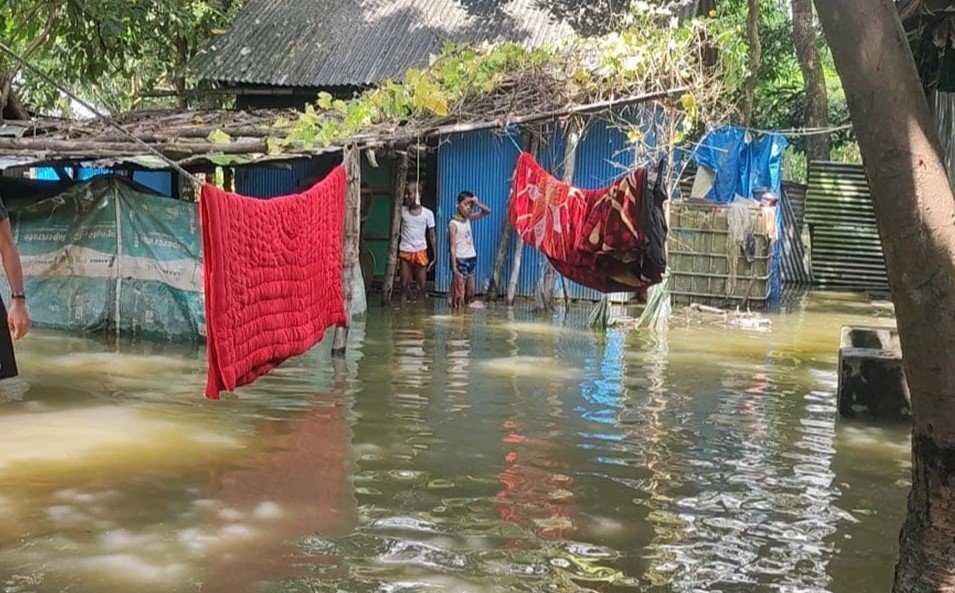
point(107, 118)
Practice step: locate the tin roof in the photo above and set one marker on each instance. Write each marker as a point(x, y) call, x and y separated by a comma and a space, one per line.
point(319, 43)
point(328, 43)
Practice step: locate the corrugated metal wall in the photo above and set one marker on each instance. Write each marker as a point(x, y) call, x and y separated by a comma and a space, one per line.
point(846, 250)
point(795, 264)
point(484, 162)
point(481, 162)
point(283, 178)
point(158, 181)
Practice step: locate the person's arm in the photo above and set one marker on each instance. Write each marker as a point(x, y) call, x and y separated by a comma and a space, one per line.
point(18, 319)
point(482, 210)
point(432, 246)
point(452, 233)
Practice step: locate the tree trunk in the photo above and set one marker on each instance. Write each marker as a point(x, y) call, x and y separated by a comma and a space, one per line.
point(401, 182)
point(545, 289)
point(816, 114)
point(182, 62)
point(755, 53)
point(496, 283)
point(914, 207)
point(352, 161)
point(10, 106)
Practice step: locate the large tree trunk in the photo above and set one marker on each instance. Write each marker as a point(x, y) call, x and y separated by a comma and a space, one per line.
point(816, 114)
point(755, 54)
point(915, 210)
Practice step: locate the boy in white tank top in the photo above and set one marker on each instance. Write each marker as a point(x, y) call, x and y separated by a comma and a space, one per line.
point(461, 242)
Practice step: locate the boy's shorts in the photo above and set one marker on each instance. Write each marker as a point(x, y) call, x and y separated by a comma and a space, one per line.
point(466, 266)
point(415, 258)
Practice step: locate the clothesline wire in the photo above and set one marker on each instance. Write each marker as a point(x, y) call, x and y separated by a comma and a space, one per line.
point(510, 137)
point(796, 132)
point(107, 118)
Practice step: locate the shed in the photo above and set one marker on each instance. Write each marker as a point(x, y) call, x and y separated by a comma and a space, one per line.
point(281, 53)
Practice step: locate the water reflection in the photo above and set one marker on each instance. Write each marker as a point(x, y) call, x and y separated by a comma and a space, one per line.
point(485, 451)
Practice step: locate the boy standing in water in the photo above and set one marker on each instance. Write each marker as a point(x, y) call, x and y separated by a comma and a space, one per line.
point(461, 241)
point(417, 241)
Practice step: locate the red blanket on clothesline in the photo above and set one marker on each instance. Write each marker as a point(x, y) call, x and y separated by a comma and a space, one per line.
point(609, 239)
point(273, 277)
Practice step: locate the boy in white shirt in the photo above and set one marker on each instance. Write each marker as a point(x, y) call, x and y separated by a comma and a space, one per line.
point(461, 242)
point(415, 252)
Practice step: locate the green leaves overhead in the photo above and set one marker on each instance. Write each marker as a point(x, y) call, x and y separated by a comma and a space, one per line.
point(650, 53)
point(110, 50)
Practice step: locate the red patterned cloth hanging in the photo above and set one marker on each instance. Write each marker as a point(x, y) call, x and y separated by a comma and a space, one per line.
point(609, 239)
point(273, 277)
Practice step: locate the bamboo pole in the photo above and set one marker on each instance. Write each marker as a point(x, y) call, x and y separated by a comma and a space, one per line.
point(352, 161)
point(533, 147)
point(400, 184)
point(548, 281)
point(515, 270)
point(494, 287)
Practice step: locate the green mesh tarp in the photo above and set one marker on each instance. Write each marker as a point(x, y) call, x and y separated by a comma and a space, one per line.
point(109, 255)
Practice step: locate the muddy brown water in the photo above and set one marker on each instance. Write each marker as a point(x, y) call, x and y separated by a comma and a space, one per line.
point(488, 451)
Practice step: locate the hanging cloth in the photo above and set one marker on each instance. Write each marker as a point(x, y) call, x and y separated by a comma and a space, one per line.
point(609, 239)
point(273, 277)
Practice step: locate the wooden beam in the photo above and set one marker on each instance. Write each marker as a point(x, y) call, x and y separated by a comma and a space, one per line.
point(177, 143)
point(548, 281)
point(504, 239)
point(81, 146)
point(534, 149)
point(352, 161)
point(401, 182)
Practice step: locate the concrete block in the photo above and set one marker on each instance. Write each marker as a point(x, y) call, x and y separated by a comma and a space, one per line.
point(871, 377)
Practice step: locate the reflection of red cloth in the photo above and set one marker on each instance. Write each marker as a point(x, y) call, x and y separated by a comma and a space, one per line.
point(273, 277)
point(300, 469)
point(593, 237)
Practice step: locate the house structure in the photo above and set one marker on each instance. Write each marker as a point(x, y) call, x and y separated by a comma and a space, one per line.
point(282, 53)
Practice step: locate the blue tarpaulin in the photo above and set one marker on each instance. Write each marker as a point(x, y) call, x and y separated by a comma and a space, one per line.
point(743, 164)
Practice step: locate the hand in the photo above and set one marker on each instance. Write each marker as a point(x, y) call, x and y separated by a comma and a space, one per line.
point(431, 265)
point(18, 320)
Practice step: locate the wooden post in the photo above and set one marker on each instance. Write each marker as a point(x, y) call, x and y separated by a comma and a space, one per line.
point(496, 284)
point(533, 147)
point(401, 182)
point(352, 161)
point(515, 270)
point(545, 288)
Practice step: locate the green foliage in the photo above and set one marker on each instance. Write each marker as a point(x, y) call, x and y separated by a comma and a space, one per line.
point(110, 50)
point(780, 95)
point(651, 52)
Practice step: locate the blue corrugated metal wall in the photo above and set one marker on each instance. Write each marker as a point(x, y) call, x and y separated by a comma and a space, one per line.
point(280, 180)
point(158, 181)
point(483, 162)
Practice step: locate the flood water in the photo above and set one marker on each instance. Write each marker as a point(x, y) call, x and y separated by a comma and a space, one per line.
point(488, 451)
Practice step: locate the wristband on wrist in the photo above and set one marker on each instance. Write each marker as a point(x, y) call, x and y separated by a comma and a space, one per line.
point(18, 295)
